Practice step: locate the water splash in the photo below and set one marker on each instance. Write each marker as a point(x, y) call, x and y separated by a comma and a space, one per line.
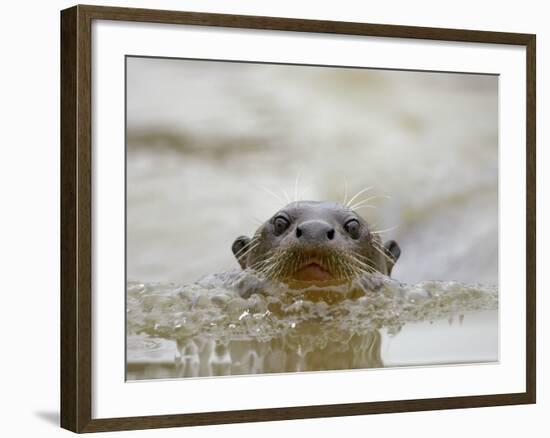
point(213, 330)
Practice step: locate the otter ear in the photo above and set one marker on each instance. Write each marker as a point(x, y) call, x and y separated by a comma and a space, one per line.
point(392, 248)
point(239, 249)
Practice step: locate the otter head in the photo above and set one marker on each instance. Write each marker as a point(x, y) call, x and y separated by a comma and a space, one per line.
point(315, 242)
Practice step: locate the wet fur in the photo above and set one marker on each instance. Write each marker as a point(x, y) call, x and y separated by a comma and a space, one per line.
point(278, 257)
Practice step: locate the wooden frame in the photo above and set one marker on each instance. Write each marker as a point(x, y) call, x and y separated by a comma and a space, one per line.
point(76, 239)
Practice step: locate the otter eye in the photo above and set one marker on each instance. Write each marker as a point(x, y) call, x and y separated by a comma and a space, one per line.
point(280, 224)
point(353, 228)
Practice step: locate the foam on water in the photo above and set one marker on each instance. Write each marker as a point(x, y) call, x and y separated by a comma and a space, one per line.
point(208, 328)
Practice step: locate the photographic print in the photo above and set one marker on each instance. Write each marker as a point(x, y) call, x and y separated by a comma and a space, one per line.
point(253, 203)
point(302, 218)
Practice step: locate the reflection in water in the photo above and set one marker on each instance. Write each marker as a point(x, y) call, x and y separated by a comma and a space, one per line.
point(209, 357)
point(208, 329)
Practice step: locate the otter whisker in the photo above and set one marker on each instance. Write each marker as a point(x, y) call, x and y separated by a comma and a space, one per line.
point(363, 257)
point(360, 263)
point(261, 267)
point(253, 241)
point(385, 230)
point(344, 266)
point(359, 193)
point(345, 201)
point(356, 271)
point(245, 248)
point(296, 264)
point(367, 263)
point(263, 264)
point(382, 251)
point(370, 269)
point(272, 264)
point(359, 207)
point(296, 187)
point(265, 272)
point(287, 197)
point(253, 247)
point(281, 267)
point(277, 273)
point(366, 259)
point(273, 194)
point(370, 198)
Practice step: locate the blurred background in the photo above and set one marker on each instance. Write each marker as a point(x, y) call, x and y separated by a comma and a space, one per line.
point(207, 141)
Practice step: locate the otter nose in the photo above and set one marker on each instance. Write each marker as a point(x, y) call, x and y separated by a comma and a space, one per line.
point(314, 231)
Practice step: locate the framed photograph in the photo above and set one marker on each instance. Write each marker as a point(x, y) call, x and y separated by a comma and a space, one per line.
point(270, 218)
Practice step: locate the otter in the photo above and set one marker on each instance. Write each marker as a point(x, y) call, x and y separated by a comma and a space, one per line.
point(299, 265)
point(315, 243)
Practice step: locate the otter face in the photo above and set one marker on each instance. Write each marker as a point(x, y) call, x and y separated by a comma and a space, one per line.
point(315, 242)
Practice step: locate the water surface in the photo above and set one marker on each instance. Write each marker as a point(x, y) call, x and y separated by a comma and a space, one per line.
point(208, 329)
